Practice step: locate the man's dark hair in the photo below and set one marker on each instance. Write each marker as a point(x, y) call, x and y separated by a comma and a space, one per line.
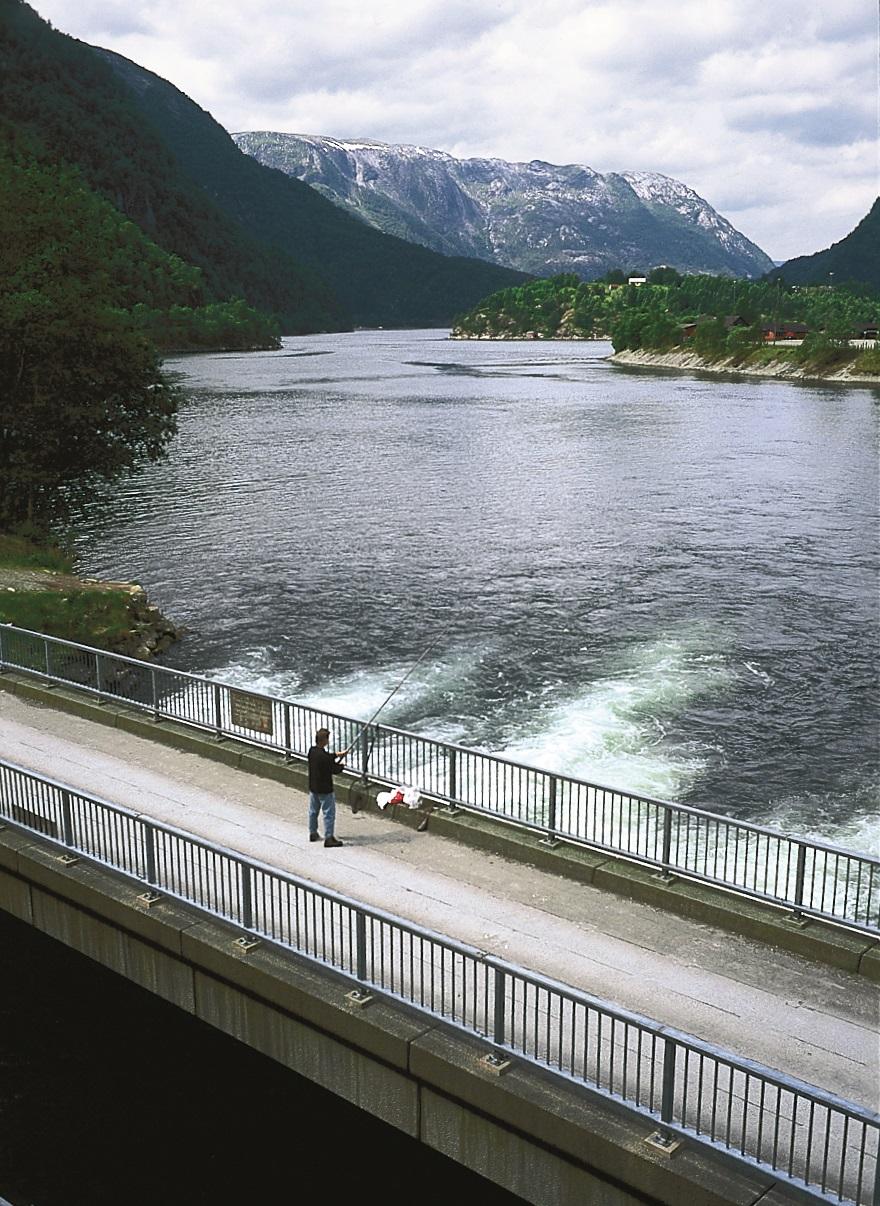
point(321, 736)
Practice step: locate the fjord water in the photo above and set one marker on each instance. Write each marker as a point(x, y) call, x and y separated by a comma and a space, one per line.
point(664, 583)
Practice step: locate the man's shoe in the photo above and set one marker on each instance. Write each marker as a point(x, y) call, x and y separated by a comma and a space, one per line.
point(332, 841)
point(314, 837)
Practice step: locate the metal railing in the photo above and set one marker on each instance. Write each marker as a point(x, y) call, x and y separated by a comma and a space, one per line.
point(808, 876)
point(818, 1144)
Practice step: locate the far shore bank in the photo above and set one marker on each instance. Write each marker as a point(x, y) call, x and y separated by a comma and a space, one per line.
point(777, 369)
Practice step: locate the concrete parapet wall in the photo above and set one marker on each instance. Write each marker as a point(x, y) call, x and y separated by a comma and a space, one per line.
point(823, 942)
point(537, 1136)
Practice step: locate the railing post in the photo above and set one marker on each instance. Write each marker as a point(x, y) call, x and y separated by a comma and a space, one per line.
point(2, 649)
point(218, 719)
point(667, 1100)
point(48, 649)
point(154, 678)
point(99, 677)
point(499, 1026)
point(365, 752)
point(247, 899)
point(360, 969)
point(149, 852)
point(800, 872)
point(451, 774)
point(286, 733)
point(551, 807)
point(66, 819)
point(667, 840)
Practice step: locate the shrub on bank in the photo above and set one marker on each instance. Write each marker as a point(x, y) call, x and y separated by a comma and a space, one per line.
point(818, 351)
point(867, 361)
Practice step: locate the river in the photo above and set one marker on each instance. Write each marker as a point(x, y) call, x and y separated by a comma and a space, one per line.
point(660, 582)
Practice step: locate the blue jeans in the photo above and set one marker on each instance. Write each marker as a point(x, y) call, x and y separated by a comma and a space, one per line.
point(327, 803)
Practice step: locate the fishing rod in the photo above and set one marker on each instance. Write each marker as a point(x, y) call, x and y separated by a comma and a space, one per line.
point(391, 695)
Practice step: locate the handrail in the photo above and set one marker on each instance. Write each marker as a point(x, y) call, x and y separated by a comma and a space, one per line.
point(823, 1147)
point(811, 877)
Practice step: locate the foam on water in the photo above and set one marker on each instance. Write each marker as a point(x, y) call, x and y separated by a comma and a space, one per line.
point(252, 671)
point(429, 688)
point(817, 815)
point(612, 731)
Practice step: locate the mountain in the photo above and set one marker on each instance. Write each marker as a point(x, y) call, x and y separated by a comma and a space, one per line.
point(856, 258)
point(536, 216)
point(170, 168)
point(381, 280)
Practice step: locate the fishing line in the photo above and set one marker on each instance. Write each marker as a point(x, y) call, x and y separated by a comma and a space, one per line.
point(392, 693)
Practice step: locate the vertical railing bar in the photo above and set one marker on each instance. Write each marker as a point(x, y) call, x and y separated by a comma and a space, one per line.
point(246, 903)
point(498, 1025)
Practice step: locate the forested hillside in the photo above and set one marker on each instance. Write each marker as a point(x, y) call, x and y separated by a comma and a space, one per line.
point(382, 280)
point(855, 258)
point(67, 100)
point(254, 233)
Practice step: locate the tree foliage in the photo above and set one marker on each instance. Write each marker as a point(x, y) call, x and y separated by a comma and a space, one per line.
point(82, 397)
point(653, 315)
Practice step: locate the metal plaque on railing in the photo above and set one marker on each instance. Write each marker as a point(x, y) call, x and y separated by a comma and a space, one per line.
point(252, 712)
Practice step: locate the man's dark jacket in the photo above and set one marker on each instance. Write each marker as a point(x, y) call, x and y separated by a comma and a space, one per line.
point(322, 767)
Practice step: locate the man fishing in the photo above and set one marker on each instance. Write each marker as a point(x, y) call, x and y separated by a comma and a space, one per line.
point(322, 798)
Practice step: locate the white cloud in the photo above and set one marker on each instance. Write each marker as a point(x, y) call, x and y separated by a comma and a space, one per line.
point(770, 112)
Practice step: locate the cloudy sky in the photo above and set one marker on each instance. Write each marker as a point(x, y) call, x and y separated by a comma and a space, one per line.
point(769, 111)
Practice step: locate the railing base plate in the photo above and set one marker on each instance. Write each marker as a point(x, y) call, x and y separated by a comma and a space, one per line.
point(246, 944)
point(149, 898)
point(663, 877)
point(359, 998)
point(797, 920)
point(496, 1064)
point(67, 860)
point(662, 1141)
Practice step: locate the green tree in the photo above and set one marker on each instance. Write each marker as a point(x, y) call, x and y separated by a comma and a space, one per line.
point(82, 398)
point(664, 275)
point(710, 338)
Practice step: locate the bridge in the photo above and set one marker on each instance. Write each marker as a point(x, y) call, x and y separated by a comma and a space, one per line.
point(461, 989)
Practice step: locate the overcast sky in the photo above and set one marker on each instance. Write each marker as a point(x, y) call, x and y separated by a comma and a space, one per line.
point(769, 111)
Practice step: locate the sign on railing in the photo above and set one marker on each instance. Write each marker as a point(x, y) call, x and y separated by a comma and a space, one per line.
point(810, 877)
point(823, 1146)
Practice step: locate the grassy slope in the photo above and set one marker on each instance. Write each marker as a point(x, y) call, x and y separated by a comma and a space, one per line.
point(62, 607)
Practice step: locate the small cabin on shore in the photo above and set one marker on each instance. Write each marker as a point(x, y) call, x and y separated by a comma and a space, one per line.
point(772, 332)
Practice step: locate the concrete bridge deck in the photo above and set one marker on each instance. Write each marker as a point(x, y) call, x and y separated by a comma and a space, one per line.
point(810, 1021)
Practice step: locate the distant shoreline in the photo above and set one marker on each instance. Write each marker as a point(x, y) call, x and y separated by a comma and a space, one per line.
point(783, 370)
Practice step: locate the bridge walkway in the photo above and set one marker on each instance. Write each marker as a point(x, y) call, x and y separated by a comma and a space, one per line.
point(813, 1022)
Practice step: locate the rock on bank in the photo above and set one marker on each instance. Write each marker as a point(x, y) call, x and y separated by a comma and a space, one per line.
point(785, 369)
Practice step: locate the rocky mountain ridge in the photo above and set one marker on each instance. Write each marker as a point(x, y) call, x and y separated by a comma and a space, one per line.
point(539, 217)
